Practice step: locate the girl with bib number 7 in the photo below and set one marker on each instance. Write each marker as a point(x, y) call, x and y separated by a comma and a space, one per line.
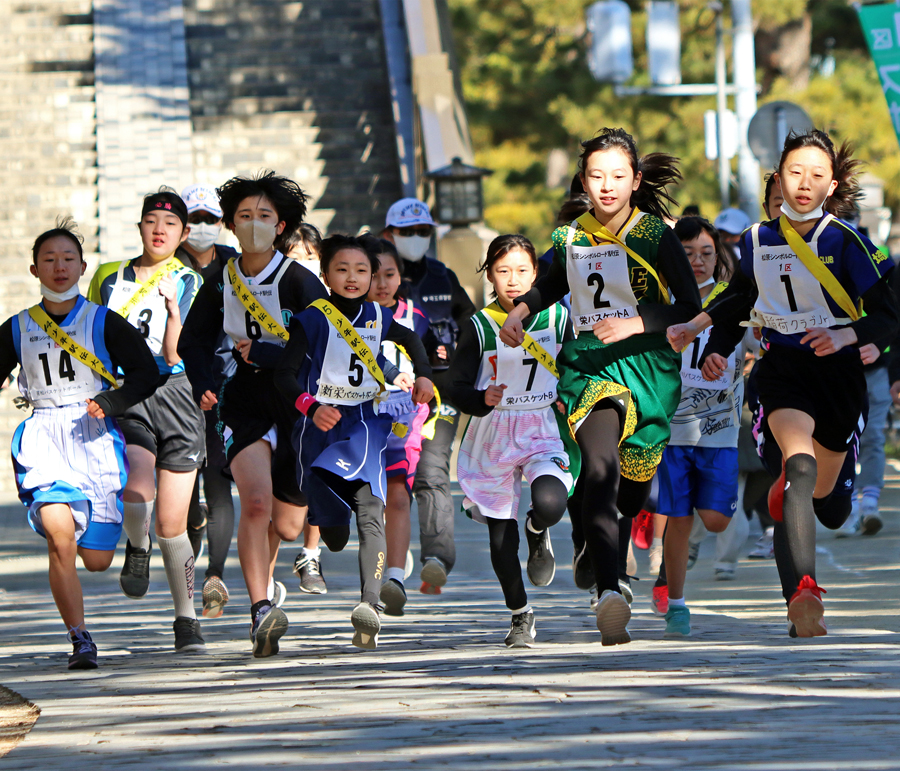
point(802, 277)
point(619, 382)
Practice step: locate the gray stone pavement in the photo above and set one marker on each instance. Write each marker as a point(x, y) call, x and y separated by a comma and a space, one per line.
point(443, 691)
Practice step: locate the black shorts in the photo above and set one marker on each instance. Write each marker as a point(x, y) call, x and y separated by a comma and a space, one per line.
point(249, 408)
point(830, 389)
point(169, 424)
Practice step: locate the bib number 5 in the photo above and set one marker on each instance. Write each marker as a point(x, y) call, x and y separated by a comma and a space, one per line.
point(355, 373)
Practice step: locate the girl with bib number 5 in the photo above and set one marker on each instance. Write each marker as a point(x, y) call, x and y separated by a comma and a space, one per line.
point(619, 382)
point(802, 277)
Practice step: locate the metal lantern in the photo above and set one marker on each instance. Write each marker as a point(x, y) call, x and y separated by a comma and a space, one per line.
point(459, 199)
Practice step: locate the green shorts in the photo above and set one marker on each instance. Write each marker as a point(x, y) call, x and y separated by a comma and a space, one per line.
point(642, 377)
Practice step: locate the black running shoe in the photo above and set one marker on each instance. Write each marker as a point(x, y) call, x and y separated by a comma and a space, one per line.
point(135, 576)
point(521, 631)
point(267, 628)
point(188, 638)
point(583, 571)
point(84, 652)
point(541, 563)
point(393, 595)
point(309, 571)
point(367, 625)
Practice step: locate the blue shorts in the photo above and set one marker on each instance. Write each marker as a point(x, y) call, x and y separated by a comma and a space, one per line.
point(102, 536)
point(698, 478)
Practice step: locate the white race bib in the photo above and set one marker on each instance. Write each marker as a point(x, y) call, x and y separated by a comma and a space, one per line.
point(392, 353)
point(344, 378)
point(600, 282)
point(149, 316)
point(691, 376)
point(239, 323)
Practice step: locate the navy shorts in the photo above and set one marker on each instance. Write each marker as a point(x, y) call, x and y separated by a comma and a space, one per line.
point(698, 478)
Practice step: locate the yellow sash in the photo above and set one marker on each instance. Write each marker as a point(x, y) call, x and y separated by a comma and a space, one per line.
point(814, 265)
point(172, 264)
point(717, 290)
point(68, 344)
point(594, 230)
point(253, 307)
point(530, 344)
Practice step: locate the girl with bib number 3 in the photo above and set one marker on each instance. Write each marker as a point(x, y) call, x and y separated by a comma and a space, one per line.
point(619, 382)
point(801, 280)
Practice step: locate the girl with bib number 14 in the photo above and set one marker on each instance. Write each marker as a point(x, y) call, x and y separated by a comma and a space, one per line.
point(802, 277)
point(619, 382)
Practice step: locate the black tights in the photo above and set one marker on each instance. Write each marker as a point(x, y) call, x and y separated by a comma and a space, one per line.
point(372, 546)
point(548, 504)
point(220, 517)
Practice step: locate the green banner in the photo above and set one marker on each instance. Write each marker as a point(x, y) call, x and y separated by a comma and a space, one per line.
point(881, 24)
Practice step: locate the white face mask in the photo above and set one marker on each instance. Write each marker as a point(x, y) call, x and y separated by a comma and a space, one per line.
point(788, 212)
point(710, 280)
point(412, 248)
point(203, 236)
point(255, 236)
point(59, 297)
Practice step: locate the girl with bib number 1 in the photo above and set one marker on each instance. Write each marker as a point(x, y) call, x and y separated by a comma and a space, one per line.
point(619, 381)
point(515, 429)
point(801, 280)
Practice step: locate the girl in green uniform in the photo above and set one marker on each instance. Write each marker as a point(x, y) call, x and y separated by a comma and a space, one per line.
point(619, 380)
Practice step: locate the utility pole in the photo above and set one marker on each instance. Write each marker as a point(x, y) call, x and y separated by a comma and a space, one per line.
point(721, 107)
point(745, 105)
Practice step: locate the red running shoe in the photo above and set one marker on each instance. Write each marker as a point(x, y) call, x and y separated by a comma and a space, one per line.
point(659, 602)
point(776, 497)
point(427, 588)
point(806, 611)
point(642, 529)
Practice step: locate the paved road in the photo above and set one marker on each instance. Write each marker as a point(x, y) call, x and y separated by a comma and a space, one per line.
point(443, 691)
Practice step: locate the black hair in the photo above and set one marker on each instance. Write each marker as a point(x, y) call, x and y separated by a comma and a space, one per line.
point(387, 247)
point(304, 234)
point(689, 228)
point(844, 168)
point(767, 193)
point(364, 243)
point(503, 245)
point(284, 194)
point(576, 204)
point(691, 210)
point(658, 170)
point(65, 227)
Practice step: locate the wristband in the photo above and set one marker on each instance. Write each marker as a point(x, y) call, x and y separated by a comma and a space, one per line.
point(304, 402)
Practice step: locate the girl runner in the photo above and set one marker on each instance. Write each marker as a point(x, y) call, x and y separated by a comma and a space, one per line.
point(69, 454)
point(515, 428)
point(619, 383)
point(252, 299)
point(402, 455)
point(802, 278)
point(329, 372)
point(165, 434)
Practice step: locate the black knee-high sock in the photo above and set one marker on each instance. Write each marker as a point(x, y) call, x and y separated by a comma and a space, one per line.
point(548, 502)
point(783, 562)
point(504, 536)
point(372, 546)
point(220, 529)
point(576, 503)
point(632, 496)
point(624, 540)
point(598, 438)
point(799, 518)
point(663, 579)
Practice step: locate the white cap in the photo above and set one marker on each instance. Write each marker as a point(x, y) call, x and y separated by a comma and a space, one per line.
point(732, 221)
point(407, 212)
point(202, 197)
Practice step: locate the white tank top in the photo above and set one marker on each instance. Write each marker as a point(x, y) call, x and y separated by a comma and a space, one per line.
point(149, 316)
point(50, 376)
point(344, 378)
point(393, 354)
point(238, 323)
point(600, 281)
point(791, 299)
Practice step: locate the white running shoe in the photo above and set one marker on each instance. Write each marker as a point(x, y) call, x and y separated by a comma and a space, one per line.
point(613, 615)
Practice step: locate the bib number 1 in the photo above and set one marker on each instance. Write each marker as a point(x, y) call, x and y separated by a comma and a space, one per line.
point(66, 370)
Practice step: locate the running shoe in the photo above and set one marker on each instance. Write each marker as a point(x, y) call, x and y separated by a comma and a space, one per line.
point(583, 570)
point(84, 651)
point(196, 534)
point(613, 615)
point(659, 600)
point(309, 571)
point(656, 558)
point(393, 595)
point(367, 625)
point(277, 593)
point(871, 518)
point(853, 525)
point(625, 589)
point(642, 529)
point(725, 574)
point(678, 622)
point(434, 575)
point(427, 588)
point(765, 547)
point(541, 564)
point(630, 561)
point(215, 597)
point(188, 638)
point(806, 610)
point(776, 497)
point(267, 628)
point(410, 565)
point(134, 579)
point(693, 554)
point(521, 631)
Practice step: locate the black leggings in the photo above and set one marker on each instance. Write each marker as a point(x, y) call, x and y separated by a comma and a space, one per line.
point(548, 502)
point(603, 492)
point(220, 516)
point(372, 546)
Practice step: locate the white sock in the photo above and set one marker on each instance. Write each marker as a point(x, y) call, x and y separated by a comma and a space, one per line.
point(178, 558)
point(136, 523)
point(526, 609)
point(679, 601)
point(530, 527)
point(312, 553)
point(270, 589)
point(397, 574)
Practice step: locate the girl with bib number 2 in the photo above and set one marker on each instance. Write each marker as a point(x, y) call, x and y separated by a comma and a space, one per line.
point(619, 382)
point(801, 280)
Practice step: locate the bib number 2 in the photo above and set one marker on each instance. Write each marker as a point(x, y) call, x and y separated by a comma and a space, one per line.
point(595, 279)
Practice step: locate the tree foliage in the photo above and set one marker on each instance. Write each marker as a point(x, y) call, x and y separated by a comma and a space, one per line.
point(528, 91)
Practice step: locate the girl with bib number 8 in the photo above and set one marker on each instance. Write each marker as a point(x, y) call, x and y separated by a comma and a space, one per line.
point(619, 382)
point(802, 277)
